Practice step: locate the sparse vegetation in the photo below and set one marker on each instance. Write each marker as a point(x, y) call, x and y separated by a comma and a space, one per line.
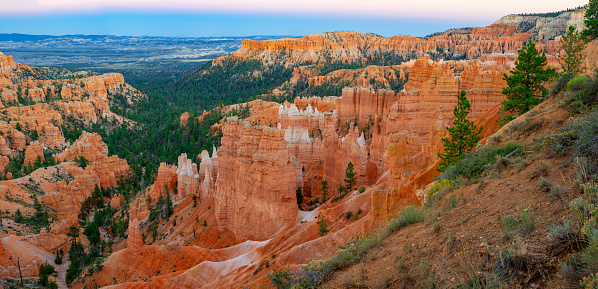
point(475, 164)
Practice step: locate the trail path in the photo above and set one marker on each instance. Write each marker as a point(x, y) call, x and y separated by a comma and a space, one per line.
point(61, 269)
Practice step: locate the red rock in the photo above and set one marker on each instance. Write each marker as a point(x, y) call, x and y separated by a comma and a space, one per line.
point(4, 149)
point(33, 153)
point(166, 179)
point(109, 171)
point(184, 119)
point(254, 198)
point(3, 163)
point(116, 201)
point(17, 139)
point(36, 94)
point(88, 145)
point(134, 240)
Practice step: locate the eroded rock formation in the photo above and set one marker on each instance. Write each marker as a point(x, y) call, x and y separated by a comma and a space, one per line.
point(134, 240)
point(254, 198)
point(34, 153)
point(187, 177)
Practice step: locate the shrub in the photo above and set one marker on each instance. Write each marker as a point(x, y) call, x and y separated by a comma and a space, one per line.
point(348, 215)
point(524, 127)
point(408, 215)
point(560, 84)
point(578, 136)
point(474, 165)
point(528, 220)
point(439, 190)
point(544, 185)
point(280, 278)
point(582, 91)
point(578, 82)
point(361, 189)
point(542, 168)
point(564, 238)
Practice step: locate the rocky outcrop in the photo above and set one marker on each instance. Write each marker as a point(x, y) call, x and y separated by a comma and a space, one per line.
point(187, 177)
point(386, 77)
point(208, 172)
point(109, 171)
point(184, 119)
point(34, 153)
point(116, 201)
point(17, 139)
point(254, 198)
point(4, 160)
point(134, 240)
point(546, 28)
point(88, 145)
point(7, 65)
point(361, 105)
point(166, 180)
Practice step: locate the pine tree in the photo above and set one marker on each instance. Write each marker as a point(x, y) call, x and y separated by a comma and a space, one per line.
point(350, 179)
point(299, 195)
point(97, 196)
point(464, 135)
point(572, 44)
point(525, 84)
point(324, 189)
point(73, 233)
point(591, 21)
point(169, 208)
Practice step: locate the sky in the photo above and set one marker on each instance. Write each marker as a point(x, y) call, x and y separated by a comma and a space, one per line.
point(201, 18)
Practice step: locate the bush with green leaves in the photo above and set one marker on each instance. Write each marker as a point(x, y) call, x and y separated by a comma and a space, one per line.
point(560, 83)
point(581, 91)
point(473, 166)
point(439, 190)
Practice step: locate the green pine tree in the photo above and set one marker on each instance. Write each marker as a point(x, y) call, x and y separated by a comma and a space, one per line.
point(350, 179)
point(463, 135)
point(572, 44)
point(73, 233)
point(299, 195)
point(591, 21)
point(324, 190)
point(525, 87)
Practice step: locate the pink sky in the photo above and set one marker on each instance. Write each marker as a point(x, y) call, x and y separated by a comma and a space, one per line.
point(431, 9)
